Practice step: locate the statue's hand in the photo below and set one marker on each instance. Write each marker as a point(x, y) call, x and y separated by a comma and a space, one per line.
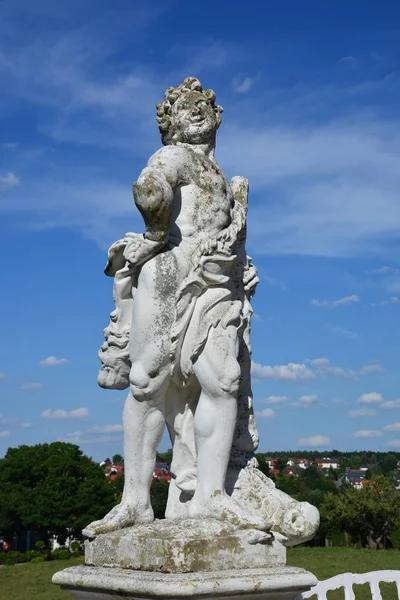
point(139, 249)
point(250, 278)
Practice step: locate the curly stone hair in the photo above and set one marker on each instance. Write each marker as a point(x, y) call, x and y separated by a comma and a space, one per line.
point(164, 108)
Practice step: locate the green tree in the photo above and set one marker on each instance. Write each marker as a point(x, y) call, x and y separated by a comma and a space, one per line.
point(51, 489)
point(367, 514)
point(117, 459)
point(262, 464)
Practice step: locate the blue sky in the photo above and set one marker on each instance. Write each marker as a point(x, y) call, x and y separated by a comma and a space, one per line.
point(311, 95)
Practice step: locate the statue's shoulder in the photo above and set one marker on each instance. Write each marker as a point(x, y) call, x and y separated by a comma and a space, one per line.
point(170, 154)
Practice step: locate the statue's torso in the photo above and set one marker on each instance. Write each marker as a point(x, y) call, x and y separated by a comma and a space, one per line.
point(202, 203)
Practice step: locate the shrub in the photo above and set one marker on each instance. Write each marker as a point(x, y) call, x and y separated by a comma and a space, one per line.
point(38, 559)
point(60, 554)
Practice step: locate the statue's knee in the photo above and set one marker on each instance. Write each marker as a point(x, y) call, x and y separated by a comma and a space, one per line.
point(230, 376)
point(140, 381)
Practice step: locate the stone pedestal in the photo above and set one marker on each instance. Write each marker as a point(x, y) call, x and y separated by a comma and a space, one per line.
point(102, 583)
point(193, 558)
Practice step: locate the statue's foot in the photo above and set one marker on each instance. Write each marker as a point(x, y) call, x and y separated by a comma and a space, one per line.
point(122, 515)
point(223, 507)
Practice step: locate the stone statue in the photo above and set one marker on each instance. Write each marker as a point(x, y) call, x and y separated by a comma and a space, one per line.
point(179, 337)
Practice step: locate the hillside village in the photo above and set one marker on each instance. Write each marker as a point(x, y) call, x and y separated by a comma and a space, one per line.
point(336, 468)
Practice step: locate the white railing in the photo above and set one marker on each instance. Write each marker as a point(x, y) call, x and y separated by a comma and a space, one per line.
point(346, 581)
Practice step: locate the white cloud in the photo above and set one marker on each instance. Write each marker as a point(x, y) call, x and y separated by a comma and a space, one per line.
point(275, 399)
point(391, 300)
point(313, 441)
point(390, 404)
point(308, 400)
point(341, 331)
point(338, 181)
point(348, 62)
point(106, 429)
point(371, 398)
point(32, 385)
point(265, 413)
point(384, 270)
point(289, 372)
point(335, 303)
point(368, 433)
point(392, 427)
point(82, 437)
point(361, 412)
point(393, 443)
point(78, 413)
point(4, 433)
point(53, 361)
point(310, 368)
point(8, 181)
point(243, 84)
point(371, 368)
point(3, 375)
point(25, 425)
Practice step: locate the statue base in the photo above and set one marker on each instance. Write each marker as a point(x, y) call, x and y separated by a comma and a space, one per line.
point(102, 583)
point(184, 546)
point(189, 558)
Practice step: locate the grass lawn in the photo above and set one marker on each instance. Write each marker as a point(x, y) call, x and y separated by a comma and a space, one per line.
point(327, 562)
point(33, 581)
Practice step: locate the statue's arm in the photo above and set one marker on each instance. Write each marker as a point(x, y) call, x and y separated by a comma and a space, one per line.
point(153, 193)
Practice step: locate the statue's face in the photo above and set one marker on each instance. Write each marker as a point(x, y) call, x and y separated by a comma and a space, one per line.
point(194, 120)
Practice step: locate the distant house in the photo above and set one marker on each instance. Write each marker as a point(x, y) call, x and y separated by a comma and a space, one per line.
point(161, 472)
point(369, 466)
point(356, 478)
point(271, 462)
point(303, 463)
point(326, 463)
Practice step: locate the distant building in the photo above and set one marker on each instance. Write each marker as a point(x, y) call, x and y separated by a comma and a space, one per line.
point(161, 472)
point(326, 463)
point(355, 478)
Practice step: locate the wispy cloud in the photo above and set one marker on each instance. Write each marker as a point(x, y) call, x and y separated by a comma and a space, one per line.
point(4, 433)
point(53, 361)
point(371, 398)
point(368, 433)
point(335, 303)
point(390, 404)
point(391, 300)
point(340, 331)
point(243, 84)
point(3, 375)
point(8, 181)
point(392, 427)
point(275, 399)
point(314, 441)
point(265, 413)
point(60, 413)
point(393, 443)
point(384, 270)
point(32, 385)
point(308, 400)
point(289, 372)
point(117, 428)
point(361, 412)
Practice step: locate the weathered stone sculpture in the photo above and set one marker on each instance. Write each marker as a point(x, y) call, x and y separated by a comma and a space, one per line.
point(179, 339)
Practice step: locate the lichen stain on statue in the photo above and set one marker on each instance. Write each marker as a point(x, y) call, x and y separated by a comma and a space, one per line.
point(179, 338)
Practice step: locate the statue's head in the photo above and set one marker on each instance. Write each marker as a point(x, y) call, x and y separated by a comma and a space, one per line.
point(188, 114)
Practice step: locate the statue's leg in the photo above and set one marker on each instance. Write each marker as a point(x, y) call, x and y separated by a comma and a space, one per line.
point(218, 373)
point(181, 404)
point(144, 411)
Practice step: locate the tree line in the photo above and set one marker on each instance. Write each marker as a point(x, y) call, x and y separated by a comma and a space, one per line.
point(54, 489)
